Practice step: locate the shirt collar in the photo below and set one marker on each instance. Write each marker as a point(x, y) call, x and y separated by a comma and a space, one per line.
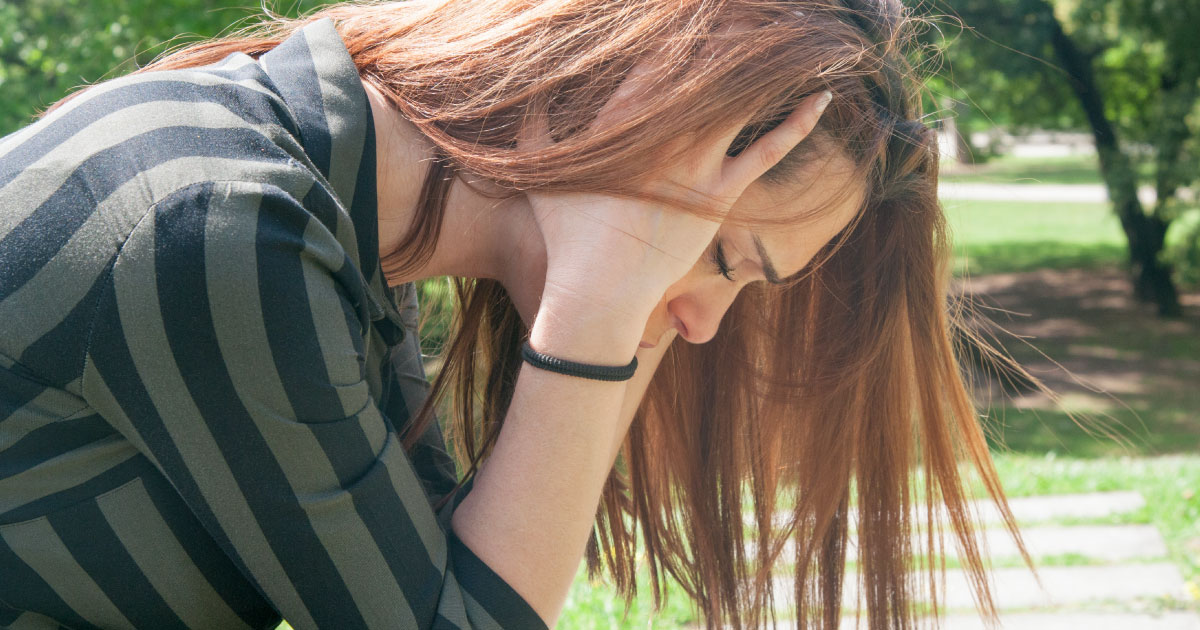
point(319, 82)
point(317, 78)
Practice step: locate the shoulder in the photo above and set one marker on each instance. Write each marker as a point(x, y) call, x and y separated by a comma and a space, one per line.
point(221, 216)
point(235, 93)
point(130, 141)
point(106, 157)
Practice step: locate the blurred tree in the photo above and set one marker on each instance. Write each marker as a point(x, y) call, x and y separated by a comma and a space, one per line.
point(49, 47)
point(1124, 69)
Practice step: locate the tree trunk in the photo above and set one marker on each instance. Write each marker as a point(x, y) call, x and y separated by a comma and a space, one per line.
point(1151, 277)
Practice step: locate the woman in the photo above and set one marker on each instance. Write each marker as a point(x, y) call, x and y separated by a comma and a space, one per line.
point(214, 408)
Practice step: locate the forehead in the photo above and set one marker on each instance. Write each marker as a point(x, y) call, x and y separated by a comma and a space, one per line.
point(797, 216)
point(822, 186)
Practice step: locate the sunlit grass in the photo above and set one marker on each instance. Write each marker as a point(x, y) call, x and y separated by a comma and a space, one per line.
point(597, 606)
point(1002, 236)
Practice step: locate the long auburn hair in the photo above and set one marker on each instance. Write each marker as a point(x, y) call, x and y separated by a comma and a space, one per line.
point(840, 393)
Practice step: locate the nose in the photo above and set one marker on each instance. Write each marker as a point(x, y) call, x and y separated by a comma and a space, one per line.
point(697, 320)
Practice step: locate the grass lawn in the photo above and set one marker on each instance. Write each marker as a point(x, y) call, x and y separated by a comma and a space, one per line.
point(1083, 169)
point(1000, 236)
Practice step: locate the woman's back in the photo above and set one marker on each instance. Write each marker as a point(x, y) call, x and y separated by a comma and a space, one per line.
point(202, 373)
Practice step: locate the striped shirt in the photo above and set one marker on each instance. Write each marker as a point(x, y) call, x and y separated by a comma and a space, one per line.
point(202, 372)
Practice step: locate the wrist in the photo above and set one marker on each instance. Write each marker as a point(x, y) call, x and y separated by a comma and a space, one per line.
point(584, 331)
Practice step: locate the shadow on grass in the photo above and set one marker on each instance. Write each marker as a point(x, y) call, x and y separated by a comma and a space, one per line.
point(1109, 434)
point(1017, 256)
point(1129, 376)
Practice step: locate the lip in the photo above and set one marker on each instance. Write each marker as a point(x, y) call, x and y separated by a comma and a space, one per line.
point(643, 344)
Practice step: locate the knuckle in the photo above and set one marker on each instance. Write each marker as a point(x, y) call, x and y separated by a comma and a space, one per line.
point(770, 154)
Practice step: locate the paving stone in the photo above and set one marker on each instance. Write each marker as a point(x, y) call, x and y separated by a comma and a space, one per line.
point(1110, 543)
point(1043, 508)
point(1077, 587)
point(1017, 589)
point(1106, 543)
point(1077, 621)
point(1050, 507)
point(1058, 621)
point(1040, 193)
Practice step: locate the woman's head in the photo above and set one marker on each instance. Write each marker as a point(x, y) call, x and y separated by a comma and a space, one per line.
point(709, 64)
point(469, 74)
point(840, 381)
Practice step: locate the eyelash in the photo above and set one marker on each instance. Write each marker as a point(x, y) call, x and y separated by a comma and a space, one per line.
point(722, 266)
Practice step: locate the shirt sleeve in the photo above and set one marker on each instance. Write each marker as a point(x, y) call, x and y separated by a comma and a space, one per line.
point(228, 346)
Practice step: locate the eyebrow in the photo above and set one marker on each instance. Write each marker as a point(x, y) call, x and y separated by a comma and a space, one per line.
point(767, 266)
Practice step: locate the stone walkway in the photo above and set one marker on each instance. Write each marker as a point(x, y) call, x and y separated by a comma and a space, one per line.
point(1041, 193)
point(1092, 576)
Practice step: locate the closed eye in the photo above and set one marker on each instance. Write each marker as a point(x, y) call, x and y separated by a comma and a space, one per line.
point(722, 265)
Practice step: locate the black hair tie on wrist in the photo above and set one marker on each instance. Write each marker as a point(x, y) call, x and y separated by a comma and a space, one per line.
point(582, 370)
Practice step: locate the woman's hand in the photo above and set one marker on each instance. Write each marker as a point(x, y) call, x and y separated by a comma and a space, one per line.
point(611, 259)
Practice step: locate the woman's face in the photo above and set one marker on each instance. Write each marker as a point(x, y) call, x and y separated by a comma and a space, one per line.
point(824, 194)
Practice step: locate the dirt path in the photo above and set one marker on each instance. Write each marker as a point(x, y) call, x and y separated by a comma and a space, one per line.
point(1116, 356)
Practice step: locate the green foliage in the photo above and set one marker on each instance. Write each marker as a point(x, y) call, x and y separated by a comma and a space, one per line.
point(437, 301)
point(50, 47)
point(1125, 69)
point(999, 74)
point(999, 58)
point(1183, 250)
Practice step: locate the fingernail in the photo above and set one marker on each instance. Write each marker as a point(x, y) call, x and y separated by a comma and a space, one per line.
point(824, 100)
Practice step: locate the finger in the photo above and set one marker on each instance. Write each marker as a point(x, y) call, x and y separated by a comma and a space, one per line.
point(768, 150)
point(721, 149)
point(640, 78)
point(535, 130)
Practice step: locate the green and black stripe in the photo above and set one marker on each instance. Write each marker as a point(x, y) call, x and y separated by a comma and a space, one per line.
point(202, 372)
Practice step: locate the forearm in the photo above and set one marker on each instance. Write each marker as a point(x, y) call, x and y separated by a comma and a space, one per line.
point(534, 502)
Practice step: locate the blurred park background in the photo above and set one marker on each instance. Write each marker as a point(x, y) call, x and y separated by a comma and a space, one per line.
point(1071, 172)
